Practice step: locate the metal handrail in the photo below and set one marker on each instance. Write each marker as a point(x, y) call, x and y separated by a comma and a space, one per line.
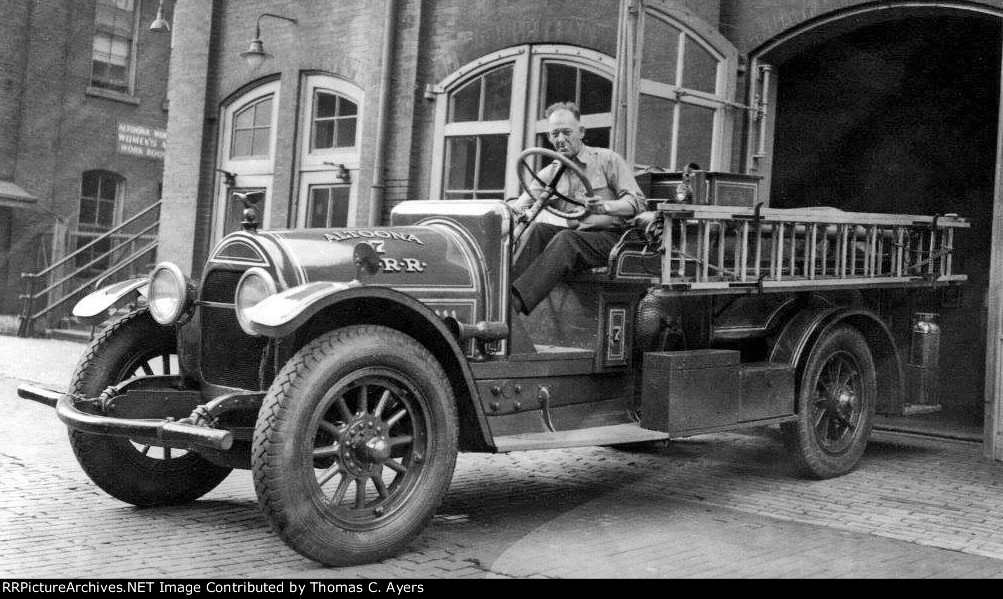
point(99, 258)
point(119, 242)
point(90, 244)
point(122, 264)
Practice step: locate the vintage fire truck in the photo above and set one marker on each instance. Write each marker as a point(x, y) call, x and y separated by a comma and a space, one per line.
point(347, 367)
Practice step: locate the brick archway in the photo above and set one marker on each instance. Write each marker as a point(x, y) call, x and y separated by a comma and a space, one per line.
point(768, 24)
point(790, 41)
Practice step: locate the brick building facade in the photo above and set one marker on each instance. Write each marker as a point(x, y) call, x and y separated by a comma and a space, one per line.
point(431, 41)
point(83, 118)
point(888, 106)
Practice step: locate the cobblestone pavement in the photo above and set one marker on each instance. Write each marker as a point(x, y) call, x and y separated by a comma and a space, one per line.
point(713, 506)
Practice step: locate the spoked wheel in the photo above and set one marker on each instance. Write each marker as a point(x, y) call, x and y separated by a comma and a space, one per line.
point(159, 362)
point(135, 472)
point(837, 400)
point(369, 443)
point(355, 445)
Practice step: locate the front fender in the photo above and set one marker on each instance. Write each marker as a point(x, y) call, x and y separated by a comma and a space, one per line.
point(285, 314)
point(281, 314)
point(94, 307)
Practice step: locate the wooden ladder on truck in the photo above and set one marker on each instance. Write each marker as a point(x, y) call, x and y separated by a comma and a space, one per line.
point(728, 249)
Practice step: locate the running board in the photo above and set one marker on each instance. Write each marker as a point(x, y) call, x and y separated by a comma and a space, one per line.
point(600, 435)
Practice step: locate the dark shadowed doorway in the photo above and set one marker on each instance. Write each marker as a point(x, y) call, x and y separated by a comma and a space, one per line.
point(901, 116)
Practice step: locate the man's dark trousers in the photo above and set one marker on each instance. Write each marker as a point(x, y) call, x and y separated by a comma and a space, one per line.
point(553, 253)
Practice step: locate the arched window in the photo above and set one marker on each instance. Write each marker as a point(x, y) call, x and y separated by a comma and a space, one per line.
point(252, 130)
point(683, 93)
point(246, 156)
point(329, 156)
point(334, 121)
point(477, 136)
point(491, 110)
point(100, 201)
point(591, 91)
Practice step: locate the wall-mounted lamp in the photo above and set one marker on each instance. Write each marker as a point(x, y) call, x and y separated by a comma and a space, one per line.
point(255, 54)
point(343, 173)
point(159, 23)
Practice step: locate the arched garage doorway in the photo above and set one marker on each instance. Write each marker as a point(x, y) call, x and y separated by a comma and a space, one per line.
point(896, 110)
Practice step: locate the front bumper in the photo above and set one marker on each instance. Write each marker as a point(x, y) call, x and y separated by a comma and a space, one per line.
point(191, 433)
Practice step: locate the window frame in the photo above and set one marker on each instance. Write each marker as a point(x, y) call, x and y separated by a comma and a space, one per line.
point(309, 186)
point(95, 230)
point(133, 47)
point(313, 167)
point(312, 159)
point(525, 117)
point(721, 101)
point(310, 179)
point(579, 58)
point(120, 181)
point(232, 130)
point(252, 172)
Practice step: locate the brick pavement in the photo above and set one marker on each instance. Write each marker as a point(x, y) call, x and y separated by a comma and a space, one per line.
point(717, 506)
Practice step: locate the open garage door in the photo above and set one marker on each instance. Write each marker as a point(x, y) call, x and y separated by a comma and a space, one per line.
point(897, 111)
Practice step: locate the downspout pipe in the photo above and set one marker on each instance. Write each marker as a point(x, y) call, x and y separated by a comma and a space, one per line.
point(382, 118)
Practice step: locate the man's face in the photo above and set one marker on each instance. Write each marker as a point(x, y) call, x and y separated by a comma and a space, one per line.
point(566, 133)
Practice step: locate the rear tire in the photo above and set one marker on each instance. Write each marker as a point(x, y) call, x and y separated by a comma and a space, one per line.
point(131, 345)
point(355, 445)
point(836, 403)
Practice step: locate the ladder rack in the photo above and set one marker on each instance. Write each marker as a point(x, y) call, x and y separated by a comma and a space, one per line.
point(727, 249)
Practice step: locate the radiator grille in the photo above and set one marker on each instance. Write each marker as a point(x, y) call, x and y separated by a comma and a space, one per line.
point(220, 286)
point(230, 356)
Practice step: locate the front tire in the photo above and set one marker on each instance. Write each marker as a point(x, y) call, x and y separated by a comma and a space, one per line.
point(836, 406)
point(133, 345)
point(355, 445)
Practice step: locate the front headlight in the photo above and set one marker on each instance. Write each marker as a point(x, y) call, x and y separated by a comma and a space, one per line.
point(170, 293)
point(254, 286)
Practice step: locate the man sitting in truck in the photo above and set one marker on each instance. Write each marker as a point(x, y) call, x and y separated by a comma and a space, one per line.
point(552, 252)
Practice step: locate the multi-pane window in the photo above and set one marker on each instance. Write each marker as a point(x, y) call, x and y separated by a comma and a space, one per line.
point(335, 120)
point(477, 136)
point(114, 38)
point(328, 163)
point(592, 92)
point(98, 200)
point(328, 206)
point(494, 109)
point(99, 197)
point(246, 164)
point(252, 130)
point(681, 100)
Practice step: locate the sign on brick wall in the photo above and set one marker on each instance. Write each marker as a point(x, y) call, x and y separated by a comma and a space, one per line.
point(140, 140)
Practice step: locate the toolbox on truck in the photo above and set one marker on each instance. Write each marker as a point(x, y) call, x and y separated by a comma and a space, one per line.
point(686, 390)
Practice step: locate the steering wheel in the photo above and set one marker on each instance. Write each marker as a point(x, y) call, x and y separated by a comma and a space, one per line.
point(544, 198)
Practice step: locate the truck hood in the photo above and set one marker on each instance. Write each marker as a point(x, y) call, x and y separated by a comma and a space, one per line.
point(410, 257)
